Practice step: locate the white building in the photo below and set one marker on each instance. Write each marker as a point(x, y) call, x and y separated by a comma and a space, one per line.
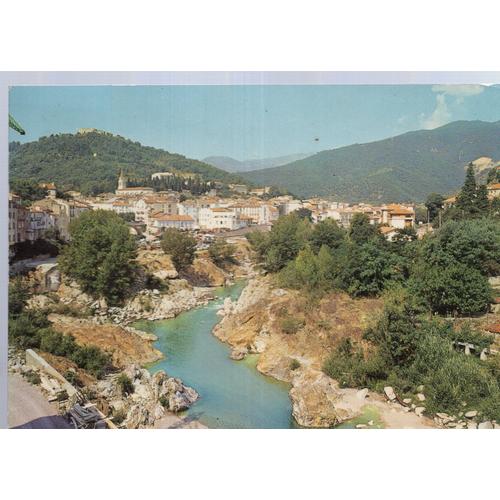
point(218, 218)
point(165, 221)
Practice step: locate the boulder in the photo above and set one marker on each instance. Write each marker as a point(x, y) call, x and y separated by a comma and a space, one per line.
point(362, 394)
point(419, 411)
point(471, 414)
point(237, 354)
point(420, 396)
point(485, 425)
point(390, 394)
point(407, 401)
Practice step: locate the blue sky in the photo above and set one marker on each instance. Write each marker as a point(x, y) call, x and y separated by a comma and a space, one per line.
point(248, 121)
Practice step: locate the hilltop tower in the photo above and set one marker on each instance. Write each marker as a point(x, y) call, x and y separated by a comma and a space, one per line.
point(122, 181)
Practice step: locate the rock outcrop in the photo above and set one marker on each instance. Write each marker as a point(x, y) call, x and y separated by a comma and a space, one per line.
point(153, 397)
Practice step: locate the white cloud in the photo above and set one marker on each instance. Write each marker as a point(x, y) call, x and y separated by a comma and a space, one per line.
point(458, 90)
point(440, 116)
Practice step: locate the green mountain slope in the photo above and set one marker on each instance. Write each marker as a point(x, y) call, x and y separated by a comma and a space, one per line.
point(403, 168)
point(91, 162)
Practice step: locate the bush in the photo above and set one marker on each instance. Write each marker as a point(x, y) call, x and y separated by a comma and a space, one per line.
point(163, 401)
point(294, 364)
point(290, 325)
point(72, 378)
point(119, 416)
point(125, 384)
point(33, 377)
point(221, 252)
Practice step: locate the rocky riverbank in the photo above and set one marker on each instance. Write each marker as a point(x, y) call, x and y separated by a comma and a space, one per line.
point(292, 337)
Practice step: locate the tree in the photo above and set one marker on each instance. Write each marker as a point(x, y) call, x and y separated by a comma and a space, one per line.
point(304, 213)
point(100, 255)
point(368, 269)
point(473, 199)
point(287, 237)
point(474, 243)
point(452, 289)
point(181, 247)
point(18, 296)
point(361, 231)
point(434, 203)
point(221, 252)
point(326, 232)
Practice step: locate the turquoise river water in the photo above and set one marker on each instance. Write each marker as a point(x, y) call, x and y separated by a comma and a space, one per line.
point(233, 394)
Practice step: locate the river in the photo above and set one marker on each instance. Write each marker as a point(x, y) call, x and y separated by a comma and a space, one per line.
point(233, 394)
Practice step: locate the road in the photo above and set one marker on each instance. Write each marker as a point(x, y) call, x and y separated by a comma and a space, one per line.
point(28, 408)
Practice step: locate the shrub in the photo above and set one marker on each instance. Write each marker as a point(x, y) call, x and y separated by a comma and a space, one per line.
point(73, 378)
point(32, 377)
point(125, 384)
point(119, 416)
point(291, 325)
point(163, 401)
point(294, 364)
point(221, 252)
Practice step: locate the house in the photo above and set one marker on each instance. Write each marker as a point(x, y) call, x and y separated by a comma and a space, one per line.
point(449, 202)
point(397, 216)
point(239, 188)
point(17, 220)
point(218, 218)
point(388, 232)
point(493, 190)
point(65, 211)
point(164, 221)
point(38, 222)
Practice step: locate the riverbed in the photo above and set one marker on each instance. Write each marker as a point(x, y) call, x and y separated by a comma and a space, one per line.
point(233, 394)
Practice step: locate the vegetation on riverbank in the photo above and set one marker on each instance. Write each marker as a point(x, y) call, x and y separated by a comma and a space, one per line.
point(31, 329)
point(410, 344)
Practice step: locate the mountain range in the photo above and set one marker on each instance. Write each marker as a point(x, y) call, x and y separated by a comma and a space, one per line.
point(232, 165)
point(406, 167)
point(90, 162)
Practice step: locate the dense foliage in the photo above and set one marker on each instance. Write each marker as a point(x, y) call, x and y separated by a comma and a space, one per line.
point(406, 351)
point(181, 247)
point(91, 162)
point(30, 329)
point(100, 255)
point(402, 168)
point(221, 252)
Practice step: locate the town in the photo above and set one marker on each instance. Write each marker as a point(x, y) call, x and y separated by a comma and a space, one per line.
point(149, 213)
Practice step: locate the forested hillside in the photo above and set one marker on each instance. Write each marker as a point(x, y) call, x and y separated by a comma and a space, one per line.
point(403, 168)
point(91, 162)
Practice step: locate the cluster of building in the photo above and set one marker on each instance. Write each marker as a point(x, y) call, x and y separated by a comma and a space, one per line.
point(29, 223)
point(155, 211)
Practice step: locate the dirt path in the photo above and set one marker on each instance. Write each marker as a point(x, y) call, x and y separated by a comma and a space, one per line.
point(28, 408)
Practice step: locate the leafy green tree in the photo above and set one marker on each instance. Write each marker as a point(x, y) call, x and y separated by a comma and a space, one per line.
point(18, 296)
point(28, 190)
point(221, 252)
point(181, 247)
point(474, 243)
point(100, 255)
point(287, 237)
point(369, 268)
point(434, 203)
point(326, 232)
point(452, 289)
point(493, 176)
point(361, 231)
point(304, 213)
